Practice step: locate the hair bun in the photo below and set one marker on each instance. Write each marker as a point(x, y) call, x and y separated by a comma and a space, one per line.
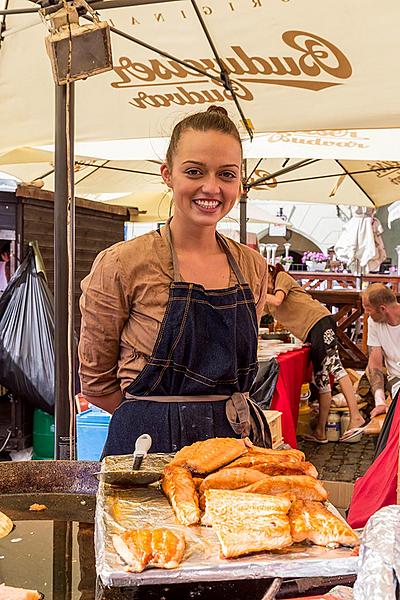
point(220, 109)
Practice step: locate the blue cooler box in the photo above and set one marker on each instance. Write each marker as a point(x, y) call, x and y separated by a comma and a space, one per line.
point(91, 433)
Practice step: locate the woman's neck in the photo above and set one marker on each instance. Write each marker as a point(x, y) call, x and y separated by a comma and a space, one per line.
point(189, 237)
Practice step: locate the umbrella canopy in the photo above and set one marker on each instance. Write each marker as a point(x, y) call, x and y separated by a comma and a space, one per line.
point(292, 65)
point(155, 204)
point(352, 183)
point(345, 182)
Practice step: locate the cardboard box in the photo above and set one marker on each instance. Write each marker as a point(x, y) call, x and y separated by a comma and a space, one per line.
point(274, 418)
point(339, 494)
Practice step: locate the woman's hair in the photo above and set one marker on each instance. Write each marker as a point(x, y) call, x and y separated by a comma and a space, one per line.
point(273, 271)
point(215, 118)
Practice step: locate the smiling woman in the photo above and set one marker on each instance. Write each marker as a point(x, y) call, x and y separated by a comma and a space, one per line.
point(170, 319)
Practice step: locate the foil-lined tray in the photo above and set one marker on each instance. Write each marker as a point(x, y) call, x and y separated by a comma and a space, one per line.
point(118, 509)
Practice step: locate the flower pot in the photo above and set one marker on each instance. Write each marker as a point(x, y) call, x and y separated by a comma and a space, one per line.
point(319, 266)
point(310, 265)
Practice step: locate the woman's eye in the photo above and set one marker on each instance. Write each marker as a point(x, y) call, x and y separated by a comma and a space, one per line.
point(228, 175)
point(193, 172)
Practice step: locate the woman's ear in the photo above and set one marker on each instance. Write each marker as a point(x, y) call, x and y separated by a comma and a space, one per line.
point(166, 174)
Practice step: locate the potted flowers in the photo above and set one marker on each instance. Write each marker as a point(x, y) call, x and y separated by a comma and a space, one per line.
point(286, 261)
point(314, 261)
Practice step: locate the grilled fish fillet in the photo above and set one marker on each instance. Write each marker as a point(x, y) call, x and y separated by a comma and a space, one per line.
point(314, 522)
point(252, 460)
point(291, 455)
point(209, 455)
point(302, 487)
point(286, 468)
point(141, 548)
point(179, 487)
point(239, 509)
point(237, 541)
point(230, 479)
point(247, 523)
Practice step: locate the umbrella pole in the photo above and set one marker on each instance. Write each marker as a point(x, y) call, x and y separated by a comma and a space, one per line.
point(243, 217)
point(63, 143)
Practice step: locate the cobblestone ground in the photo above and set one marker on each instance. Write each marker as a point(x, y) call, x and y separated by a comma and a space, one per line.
point(339, 461)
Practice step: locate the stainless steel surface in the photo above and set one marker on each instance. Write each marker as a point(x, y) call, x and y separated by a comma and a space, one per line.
point(48, 476)
point(128, 479)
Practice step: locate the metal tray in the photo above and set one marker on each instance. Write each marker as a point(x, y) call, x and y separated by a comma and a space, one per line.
point(120, 508)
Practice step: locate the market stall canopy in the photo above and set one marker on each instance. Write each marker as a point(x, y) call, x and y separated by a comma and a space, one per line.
point(154, 204)
point(291, 66)
point(92, 175)
point(345, 182)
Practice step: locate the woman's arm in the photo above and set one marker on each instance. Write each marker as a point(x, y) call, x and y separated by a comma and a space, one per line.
point(275, 299)
point(105, 308)
point(108, 403)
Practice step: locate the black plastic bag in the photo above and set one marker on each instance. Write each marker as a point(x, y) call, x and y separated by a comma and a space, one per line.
point(264, 384)
point(27, 336)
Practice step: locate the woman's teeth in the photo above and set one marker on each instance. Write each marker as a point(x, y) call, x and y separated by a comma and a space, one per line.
point(207, 203)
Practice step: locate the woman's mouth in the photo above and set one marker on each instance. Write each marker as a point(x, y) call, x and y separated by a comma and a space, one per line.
point(207, 205)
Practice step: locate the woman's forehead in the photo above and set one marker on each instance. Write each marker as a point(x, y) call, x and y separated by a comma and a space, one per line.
point(203, 144)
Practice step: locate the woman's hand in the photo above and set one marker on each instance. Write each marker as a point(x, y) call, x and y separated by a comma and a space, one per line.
point(275, 299)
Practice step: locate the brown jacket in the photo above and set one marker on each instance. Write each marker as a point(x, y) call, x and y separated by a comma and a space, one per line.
point(123, 303)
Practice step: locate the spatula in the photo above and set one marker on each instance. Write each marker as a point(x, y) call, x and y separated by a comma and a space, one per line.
point(136, 476)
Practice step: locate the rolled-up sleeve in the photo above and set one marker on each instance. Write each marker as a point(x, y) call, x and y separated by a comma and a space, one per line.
point(105, 307)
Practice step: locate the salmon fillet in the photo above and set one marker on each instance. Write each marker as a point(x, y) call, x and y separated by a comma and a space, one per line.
point(314, 522)
point(179, 487)
point(247, 523)
point(252, 460)
point(238, 541)
point(291, 455)
point(230, 479)
point(286, 468)
point(209, 455)
point(302, 487)
point(237, 508)
point(12, 593)
point(141, 548)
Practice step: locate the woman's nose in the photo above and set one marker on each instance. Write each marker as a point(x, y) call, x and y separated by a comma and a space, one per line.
point(211, 185)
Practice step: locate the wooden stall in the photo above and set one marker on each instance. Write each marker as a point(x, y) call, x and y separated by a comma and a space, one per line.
point(28, 214)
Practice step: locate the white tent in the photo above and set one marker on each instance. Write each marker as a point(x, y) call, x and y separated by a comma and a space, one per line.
point(307, 65)
point(345, 182)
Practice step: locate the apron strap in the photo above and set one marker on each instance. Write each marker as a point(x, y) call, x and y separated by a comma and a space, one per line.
point(223, 244)
point(232, 262)
point(177, 275)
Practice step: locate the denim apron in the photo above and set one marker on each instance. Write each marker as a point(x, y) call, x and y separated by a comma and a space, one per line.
point(195, 385)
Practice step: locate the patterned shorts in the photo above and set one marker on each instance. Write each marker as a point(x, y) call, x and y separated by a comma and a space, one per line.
point(324, 353)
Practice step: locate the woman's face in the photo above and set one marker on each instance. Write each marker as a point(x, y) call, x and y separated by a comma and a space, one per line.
point(205, 176)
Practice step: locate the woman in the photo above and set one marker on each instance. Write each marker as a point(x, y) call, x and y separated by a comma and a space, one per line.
point(169, 320)
point(311, 322)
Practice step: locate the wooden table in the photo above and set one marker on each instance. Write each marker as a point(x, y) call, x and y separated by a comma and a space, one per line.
point(349, 312)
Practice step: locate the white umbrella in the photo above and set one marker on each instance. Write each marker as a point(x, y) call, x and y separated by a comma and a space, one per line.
point(341, 182)
point(294, 65)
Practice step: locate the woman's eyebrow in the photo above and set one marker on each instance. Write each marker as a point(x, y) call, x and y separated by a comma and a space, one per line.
point(202, 164)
